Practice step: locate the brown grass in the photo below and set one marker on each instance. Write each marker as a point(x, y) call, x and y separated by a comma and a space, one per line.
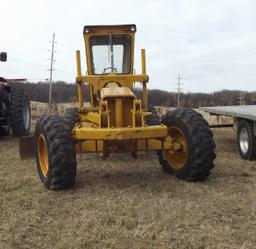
point(127, 203)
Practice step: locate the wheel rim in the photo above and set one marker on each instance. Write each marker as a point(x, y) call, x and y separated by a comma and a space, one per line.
point(177, 158)
point(26, 114)
point(43, 155)
point(244, 140)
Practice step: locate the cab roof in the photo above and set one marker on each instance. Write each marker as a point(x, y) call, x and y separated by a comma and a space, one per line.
point(125, 28)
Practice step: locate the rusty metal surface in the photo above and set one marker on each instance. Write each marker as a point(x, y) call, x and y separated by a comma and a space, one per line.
point(27, 147)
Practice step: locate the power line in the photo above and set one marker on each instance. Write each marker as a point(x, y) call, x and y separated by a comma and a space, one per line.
point(51, 69)
point(31, 79)
point(179, 89)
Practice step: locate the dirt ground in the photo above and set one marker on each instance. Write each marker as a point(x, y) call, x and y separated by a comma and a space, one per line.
point(127, 203)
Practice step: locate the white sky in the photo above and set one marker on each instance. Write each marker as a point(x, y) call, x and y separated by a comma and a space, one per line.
point(211, 43)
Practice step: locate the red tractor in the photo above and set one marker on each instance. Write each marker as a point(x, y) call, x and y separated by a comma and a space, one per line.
point(15, 111)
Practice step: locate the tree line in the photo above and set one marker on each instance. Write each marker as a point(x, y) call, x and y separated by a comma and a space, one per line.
point(67, 92)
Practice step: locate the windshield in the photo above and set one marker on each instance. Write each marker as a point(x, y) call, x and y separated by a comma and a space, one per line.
point(110, 54)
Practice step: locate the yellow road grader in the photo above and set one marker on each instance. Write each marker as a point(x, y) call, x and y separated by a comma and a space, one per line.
point(116, 120)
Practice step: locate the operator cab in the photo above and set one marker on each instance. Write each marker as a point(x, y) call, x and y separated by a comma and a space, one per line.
point(109, 49)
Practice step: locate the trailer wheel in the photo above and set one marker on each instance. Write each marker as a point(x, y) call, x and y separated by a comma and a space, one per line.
point(246, 141)
point(20, 113)
point(55, 153)
point(193, 161)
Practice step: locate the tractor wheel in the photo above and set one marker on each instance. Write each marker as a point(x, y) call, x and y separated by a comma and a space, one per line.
point(153, 118)
point(55, 153)
point(194, 160)
point(20, 113)
point(5, 112)
point(246, 141)
point(72, 117)
point(5, 129)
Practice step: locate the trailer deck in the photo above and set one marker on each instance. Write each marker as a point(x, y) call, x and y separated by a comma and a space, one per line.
point(244, 111)
point(244, 123)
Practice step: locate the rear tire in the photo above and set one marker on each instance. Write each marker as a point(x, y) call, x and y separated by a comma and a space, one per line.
point(5, 111)
point(246, 140)
point(72, 117)
point(153, 118)
point(194, 160)
point(55, 153)
point(5, 129)
point(20, 113)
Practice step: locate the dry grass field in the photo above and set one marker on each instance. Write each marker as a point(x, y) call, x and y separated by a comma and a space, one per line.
point(126, 203)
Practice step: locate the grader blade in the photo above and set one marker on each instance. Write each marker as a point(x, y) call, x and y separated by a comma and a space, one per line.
point(27, 147)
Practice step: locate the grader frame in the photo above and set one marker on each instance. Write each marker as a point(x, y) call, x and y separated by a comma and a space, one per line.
point(117, 122)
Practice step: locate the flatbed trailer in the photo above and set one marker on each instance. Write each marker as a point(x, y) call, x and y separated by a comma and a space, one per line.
point(244, 124)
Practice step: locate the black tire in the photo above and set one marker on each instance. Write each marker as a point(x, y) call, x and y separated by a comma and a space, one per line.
point(199, 142)
point(5, 110)
point(153, 118)
point(72, 117)
point(246, 140)
point(20, 113)
point(5, 129)
point(61, 170)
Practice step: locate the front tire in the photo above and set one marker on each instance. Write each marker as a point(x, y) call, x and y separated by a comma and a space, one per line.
point(193, 160)
point(246, 141)
point(55, 153)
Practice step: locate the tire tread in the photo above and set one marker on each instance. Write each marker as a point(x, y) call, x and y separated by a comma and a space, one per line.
point(61, 153)
point(202, 151)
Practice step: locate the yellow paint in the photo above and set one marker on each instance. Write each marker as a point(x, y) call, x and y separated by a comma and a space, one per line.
point(115, 120)
point(89, 146)
point(92, 117)
point(143, 61)
point(79, 83)
point(118, 112)
point(123, 133)
point(144, 85)
point(116, 92)
point(43, 155)
point(78, 63)
point(176, 158)
point(100, 81)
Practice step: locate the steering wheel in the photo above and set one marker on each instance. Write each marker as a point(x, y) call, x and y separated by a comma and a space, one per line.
point(110, 68)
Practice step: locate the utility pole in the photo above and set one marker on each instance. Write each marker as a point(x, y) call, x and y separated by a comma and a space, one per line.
point(179, 89)
point(51, 70)
point(241, 98)
point(254, 98)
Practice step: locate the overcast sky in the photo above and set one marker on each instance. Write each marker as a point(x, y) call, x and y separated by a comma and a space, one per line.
point(211, 43)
